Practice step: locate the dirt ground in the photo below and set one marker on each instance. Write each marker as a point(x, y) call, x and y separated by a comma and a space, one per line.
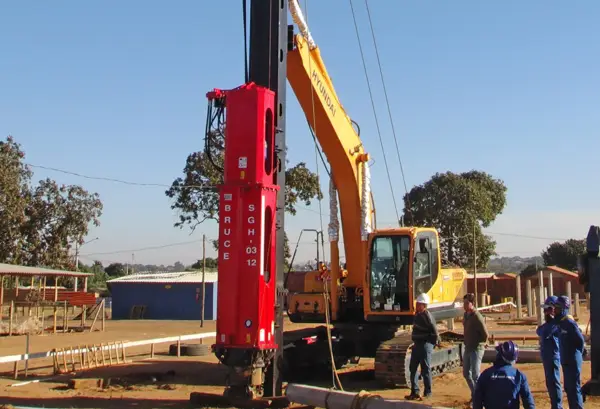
point(167, 381)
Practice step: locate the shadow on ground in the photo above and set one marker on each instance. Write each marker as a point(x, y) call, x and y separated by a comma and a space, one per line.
point(83, 402)
point(164, 371)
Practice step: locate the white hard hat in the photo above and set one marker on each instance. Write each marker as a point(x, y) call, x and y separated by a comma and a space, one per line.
point(423, 298)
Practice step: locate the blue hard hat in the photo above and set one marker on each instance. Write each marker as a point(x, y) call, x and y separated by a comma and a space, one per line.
point(564, 302)
point(508, 350)
point(550, 301)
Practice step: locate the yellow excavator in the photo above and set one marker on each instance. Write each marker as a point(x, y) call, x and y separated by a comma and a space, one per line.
point(367, 300)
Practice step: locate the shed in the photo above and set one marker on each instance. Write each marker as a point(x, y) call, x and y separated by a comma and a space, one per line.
point(559, 277)
point(164, 296)
point(496, 286)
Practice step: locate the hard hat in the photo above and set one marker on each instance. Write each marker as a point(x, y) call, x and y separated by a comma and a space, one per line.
point(423, 298)
point(550, 301)
point(509, 351)
point(563, 302)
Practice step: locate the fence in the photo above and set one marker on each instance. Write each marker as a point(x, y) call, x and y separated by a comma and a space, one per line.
point(119, 346)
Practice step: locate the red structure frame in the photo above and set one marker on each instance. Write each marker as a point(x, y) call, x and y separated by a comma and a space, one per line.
point(247, 229)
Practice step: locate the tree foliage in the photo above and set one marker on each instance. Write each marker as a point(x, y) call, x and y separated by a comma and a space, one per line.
point(564, 254)
point(196, 199)
point(115, 270)
point(96, 282)
point(211, 263)
point(458, 205)
point(39, 223)
point(530, 269)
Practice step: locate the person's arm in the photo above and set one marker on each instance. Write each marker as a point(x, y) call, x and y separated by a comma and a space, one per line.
point(526, 396)
point(482, 328)
point(540, 330)
point(433, 324)
point(576, 336)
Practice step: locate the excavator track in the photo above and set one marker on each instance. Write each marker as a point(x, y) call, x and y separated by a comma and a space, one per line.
point(392, 359)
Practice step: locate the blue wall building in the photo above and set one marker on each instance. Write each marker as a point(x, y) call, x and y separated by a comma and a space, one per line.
point(163, 296)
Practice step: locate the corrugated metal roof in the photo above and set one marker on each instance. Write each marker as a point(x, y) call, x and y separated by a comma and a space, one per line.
point(179, 277)
point(14, 270)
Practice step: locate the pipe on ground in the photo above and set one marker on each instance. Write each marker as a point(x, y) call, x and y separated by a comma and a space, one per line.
point(526, 356)
point(332, 399)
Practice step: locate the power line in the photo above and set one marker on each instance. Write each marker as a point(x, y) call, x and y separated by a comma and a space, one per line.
point(387, 102)
point(181, 243)
point(125, 182)
point(362, 55)
point(525, 236)
point(196, 186)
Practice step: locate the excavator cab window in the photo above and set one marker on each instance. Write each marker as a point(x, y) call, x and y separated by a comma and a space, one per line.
point(390, 258)
point(423, 263)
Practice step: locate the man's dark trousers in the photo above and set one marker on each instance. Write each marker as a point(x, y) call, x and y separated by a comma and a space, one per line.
point(420, 356)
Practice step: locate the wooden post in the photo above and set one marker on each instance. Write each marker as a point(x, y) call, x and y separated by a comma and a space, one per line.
point(103, 314)
point(151, 350)
point(100, 309)
point(54, 317)
point(66, 317)
point(550, 284)
point(44, 289)
point(568, 289)
point(11, 313)
point(529, 299)
point(85, 283)
point(519, 305)
point(538, 307)
point(26, 354)
point(56, 289)
point(16, 286)
point(179, 347)
point(576, 309)
point(203, 278)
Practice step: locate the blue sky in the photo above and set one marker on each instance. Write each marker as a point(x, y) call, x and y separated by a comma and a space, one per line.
point(116, 89)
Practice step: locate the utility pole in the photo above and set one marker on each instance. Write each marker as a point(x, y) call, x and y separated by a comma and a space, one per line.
point(475, 261)
point(77, 247)
point(203, 277)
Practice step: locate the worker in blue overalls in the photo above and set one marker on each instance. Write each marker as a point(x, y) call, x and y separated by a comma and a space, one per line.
point(572, 346)
point(501, 385)
point(549, 333)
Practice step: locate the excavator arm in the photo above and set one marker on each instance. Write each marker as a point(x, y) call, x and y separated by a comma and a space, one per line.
point(346, 155)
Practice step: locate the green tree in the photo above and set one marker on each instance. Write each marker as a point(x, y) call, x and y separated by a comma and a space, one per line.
point(530, 269)
point(196, 199)
point(115, 270)
point(564, 254)
point(459, 206)
point(39, 224)
point(99, 278)
point(210, 263)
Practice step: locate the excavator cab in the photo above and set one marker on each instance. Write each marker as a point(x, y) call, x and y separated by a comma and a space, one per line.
point(403, 263)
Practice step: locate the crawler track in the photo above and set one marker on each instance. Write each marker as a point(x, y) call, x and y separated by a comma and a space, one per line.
point(393, 358)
